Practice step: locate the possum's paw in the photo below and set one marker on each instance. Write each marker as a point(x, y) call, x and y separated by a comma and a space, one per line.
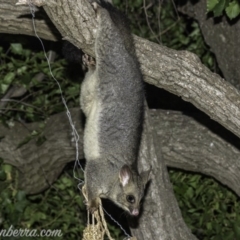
point(93, 205)
point(88, 61)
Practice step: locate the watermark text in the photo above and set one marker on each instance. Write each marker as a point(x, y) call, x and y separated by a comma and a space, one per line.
point(24, 232)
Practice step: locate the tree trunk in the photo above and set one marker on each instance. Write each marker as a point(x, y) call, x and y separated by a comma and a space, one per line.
point(161, 217)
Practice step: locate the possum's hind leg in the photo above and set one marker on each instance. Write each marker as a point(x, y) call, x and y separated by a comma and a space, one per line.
point(88, 88)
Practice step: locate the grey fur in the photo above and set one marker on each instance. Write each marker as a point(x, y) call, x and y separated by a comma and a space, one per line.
point(112, 98)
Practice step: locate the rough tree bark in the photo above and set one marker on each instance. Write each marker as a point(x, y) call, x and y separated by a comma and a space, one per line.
point(222, 35)
point(17, 20)
point(177, 72)
point(39, 166)
point(185, 143)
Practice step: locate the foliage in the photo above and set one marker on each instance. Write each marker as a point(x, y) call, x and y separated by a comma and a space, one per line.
point(166, 26)
point(209, 209)
point(28, 71)
point(60, 207)
point(231, 7)
point(20, 68)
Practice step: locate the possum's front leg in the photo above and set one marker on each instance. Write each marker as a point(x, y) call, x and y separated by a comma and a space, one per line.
point(93, 201)
point(93, 186)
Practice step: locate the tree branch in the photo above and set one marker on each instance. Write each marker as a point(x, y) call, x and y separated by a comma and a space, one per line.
point(179, 72)
point(185, 143)
point(18, 20)
point(198, 145)
point(39, 166)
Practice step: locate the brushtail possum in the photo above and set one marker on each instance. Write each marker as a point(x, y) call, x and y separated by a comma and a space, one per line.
point(112, 98)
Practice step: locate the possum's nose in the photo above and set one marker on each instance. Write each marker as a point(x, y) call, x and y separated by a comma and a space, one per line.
point(135, 212)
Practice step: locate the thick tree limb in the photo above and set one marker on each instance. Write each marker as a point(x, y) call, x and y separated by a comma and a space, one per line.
point(184, 142)
point(197, 146)
point(182, 74)
point(40, 166)
point(18, 20)
point(178, 72)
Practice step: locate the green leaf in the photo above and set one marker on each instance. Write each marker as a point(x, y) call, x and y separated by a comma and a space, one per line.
point(218, 9)
point(66, 181)
point(189, 193)
point(209, 226)
point(10, 66)
point(21, 70)
point(17, 48)
point(8, 78)
point(4, 88)
point(7, 168)
point(211, 4)
point(233, 9)
point(61, 186)
point(21, 195)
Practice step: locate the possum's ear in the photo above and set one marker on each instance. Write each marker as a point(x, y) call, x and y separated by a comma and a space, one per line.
point(125, 175)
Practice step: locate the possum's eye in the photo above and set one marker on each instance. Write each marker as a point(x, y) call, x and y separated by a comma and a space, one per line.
point(130, 198)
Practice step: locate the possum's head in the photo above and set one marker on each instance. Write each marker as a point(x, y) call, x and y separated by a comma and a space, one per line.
point(130, 189)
